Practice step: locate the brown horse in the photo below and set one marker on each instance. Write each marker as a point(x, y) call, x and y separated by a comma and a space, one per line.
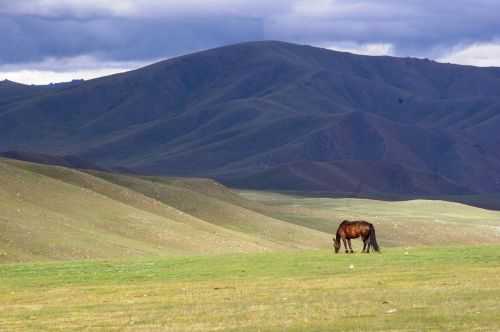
point(353, 229)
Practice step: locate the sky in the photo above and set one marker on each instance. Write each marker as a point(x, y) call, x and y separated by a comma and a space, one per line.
point(44, 41)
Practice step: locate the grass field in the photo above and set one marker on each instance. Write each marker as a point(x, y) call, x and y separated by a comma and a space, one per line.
point(85, 250)
point(402, 289)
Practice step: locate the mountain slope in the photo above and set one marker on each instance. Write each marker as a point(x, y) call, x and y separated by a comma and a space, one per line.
point(233, 112)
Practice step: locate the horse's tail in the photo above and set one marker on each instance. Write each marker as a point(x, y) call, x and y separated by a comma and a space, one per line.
point(373, 239)
point(336, 241)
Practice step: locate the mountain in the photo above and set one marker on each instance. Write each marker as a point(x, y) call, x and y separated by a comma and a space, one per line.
point(274, 115)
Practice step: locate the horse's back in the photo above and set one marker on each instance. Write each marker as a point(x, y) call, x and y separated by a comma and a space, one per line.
point(359, 223)
point(355, 228)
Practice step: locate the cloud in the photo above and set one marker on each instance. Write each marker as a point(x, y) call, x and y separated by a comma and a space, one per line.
point(64, 64)
point(366, 49)
point(64, 8)
point(484, 55)
point(85, 9)
point(43, 77)
point(28, 39)
point(54, 70)
point(416, 28)
point(143, 30)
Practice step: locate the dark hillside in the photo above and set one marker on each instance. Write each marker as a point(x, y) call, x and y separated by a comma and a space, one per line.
point(267, 114)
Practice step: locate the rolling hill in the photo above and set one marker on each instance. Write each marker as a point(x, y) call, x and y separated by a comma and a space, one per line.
point(274, 115)
point(58, 213)
point(52, 212)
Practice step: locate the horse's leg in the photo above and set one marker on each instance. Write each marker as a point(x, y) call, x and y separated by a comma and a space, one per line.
point(349, 243)
point(368, 246)
point(364, 245)
point(345, 246)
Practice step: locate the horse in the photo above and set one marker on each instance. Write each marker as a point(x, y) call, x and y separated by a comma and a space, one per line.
point(348, 230)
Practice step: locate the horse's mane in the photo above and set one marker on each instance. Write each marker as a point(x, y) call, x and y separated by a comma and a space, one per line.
point(340, 227)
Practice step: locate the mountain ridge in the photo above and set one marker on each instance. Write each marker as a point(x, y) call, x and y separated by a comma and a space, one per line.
point(262, 105)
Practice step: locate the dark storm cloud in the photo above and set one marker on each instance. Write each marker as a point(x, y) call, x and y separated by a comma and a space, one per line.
point(128, 30)
point(31, 39)
point(412, 27)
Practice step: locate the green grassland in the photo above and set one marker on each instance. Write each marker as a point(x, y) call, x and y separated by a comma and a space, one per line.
point(89, 250)
point(423, 289)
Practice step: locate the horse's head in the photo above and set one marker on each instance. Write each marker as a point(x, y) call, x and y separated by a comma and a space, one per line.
point(336, 245)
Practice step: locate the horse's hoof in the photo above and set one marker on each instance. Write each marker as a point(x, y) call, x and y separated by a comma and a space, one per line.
point(352, 252)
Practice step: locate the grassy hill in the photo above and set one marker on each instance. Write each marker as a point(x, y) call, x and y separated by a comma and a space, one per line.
point(243, 113)
point(413, 222)
point(57, 213)
point(50, 212)
point(433, 289)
